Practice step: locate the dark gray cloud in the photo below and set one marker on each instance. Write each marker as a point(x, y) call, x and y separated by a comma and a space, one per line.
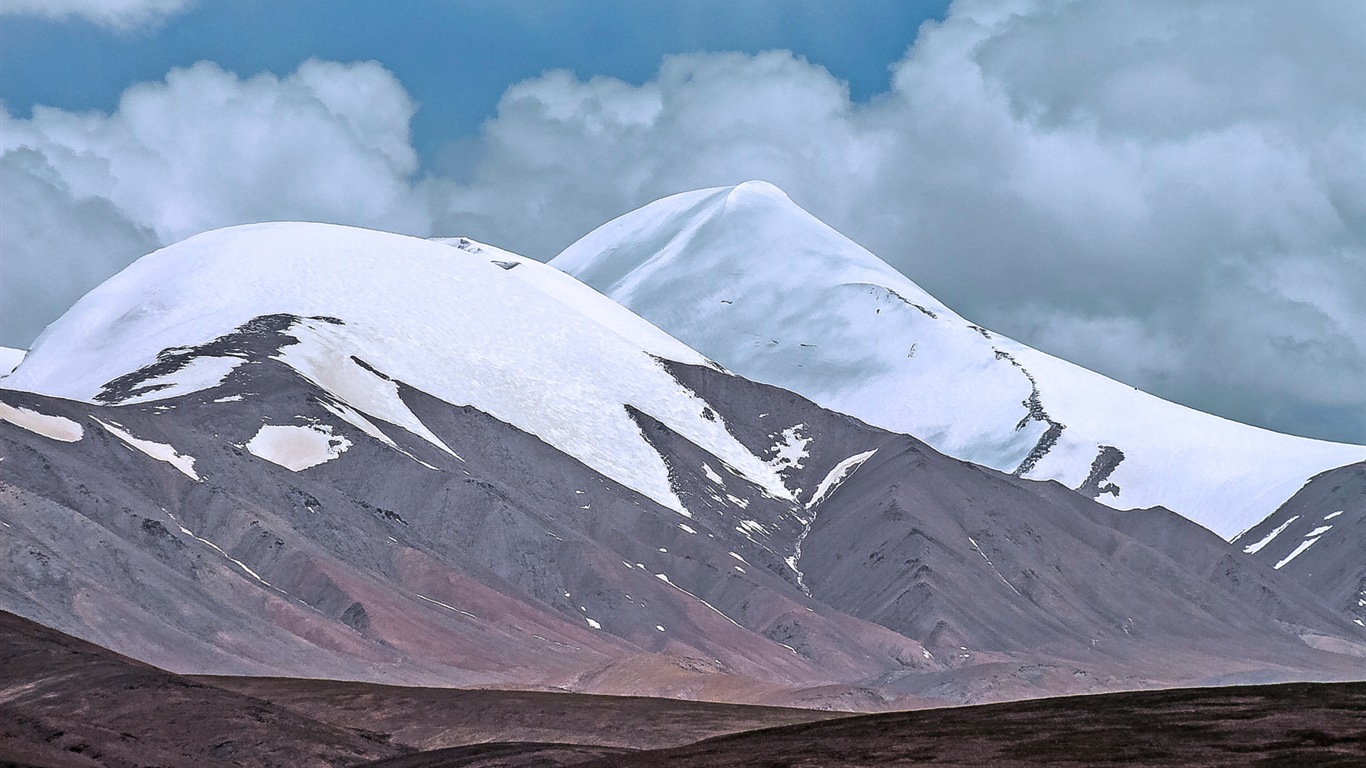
point(1173, 193)
point(56, 246)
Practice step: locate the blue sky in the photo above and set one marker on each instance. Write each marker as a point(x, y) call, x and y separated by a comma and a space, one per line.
point(456, 58)
point(1168, 192)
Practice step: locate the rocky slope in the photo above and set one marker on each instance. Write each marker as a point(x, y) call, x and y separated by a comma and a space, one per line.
point(1318, 538)
point(316, 451)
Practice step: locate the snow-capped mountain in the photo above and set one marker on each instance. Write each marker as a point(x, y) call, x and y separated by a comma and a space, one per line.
point(1319, 539)
point(754, 282)
point(309, 450)
point(534, 350)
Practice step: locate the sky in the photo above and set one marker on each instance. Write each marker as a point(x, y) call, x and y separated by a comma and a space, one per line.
point(1170, 192)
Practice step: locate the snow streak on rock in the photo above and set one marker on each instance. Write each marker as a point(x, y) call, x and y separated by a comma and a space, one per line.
point(159, 451)
point(832, 480)
point(52, 427)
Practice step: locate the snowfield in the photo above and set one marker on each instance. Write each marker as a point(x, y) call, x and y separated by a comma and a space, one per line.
point(9, 360)
point(528, 344)
point(739, 275)
point(748, 278)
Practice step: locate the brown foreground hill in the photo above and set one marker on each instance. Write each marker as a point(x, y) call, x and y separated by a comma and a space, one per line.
point(67, 703)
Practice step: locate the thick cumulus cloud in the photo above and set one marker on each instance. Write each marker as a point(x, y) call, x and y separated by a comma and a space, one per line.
point(117, 14)
point(1170, 192)
point(1173, 193)
point(85, 194)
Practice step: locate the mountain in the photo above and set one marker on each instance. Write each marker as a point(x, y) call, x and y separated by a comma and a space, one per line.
point(751, 280)
point(1317, 539)
point(320, 451)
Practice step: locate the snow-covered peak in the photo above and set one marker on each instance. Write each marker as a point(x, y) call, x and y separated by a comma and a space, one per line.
point(699, 240)
point(10, 359)
point(470, 325)
point(754, 282)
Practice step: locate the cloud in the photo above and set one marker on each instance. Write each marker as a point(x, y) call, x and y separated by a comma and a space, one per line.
point(85, 194)
point(116, 14)
point(205, 149)
point(56, 246)
point(1169, 192)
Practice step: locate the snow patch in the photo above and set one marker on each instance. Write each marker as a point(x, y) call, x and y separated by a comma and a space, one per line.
point(356, 419)
point(994, 569)
point(52, 427)
point(323, 356)
point(1306, 544)
point(296, 448)
point(199, 374)
point(444, 605)
point(837, 475)
point(245, 568)
point(1253, 549)
point(790, 450)
point(750, 526)
point(712, 475)
point(714, 609)
point(158, 451)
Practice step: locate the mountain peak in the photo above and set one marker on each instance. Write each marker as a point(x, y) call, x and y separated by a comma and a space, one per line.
point(750, 236)
point(750, 279)
point(364, 312)
point(756, 190)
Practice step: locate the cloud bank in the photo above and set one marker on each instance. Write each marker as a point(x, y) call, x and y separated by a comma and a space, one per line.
point(1169, 192)
point(115, 14)
point(82, 195)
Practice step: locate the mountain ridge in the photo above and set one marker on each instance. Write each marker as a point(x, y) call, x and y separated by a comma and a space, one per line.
point(309, 498)
point(793, 303)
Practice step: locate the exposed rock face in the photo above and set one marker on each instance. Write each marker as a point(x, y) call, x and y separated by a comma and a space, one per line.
point(388, 459)
point(1318, 538)
point(515, 565)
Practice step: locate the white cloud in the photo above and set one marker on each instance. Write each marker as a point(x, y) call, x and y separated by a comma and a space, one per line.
point(1167, 191)
point(206, 149)
point(1170, 192)
point(117, 14)
point(85, 194)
